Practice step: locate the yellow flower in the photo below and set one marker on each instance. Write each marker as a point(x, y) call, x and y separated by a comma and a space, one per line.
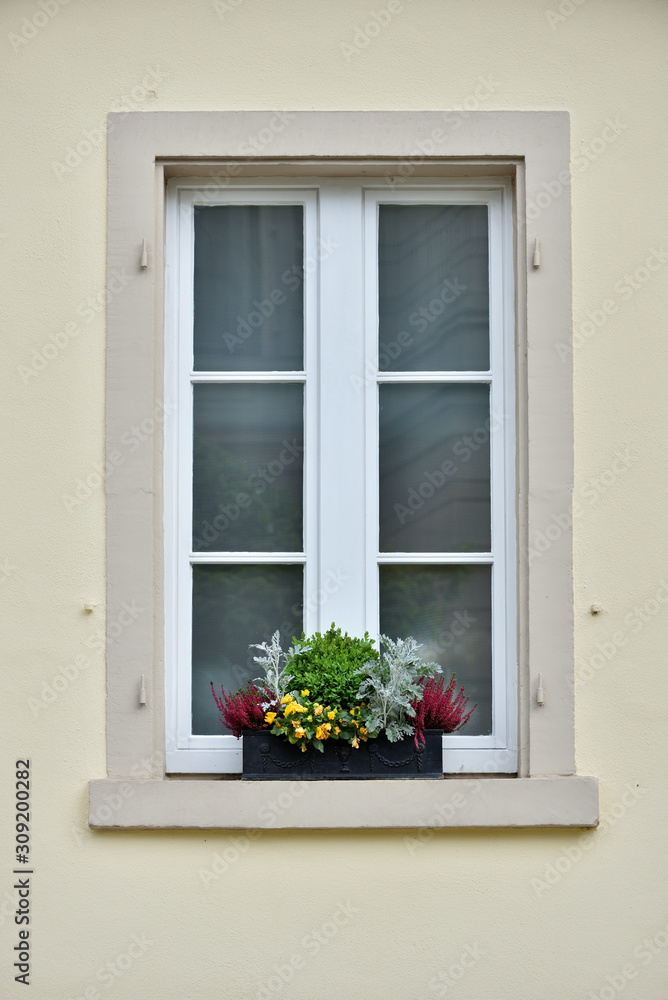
point(299, 708)
point(321, 733)
point(269, 717)
point(299, 732)
point(355, 743)
point(309, 718)
point(304, 749)
point(305, 693)
point(318, 709)
point(331, 715)
point(336, 730)
point(363, 730)
point(286, 698)
point(291, 708)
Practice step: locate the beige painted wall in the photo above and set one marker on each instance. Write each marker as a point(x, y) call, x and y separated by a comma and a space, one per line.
point(549, 914)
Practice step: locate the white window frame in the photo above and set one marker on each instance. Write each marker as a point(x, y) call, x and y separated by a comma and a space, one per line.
point(341, 377)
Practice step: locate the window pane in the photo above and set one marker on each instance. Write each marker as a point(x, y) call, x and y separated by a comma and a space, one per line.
point(448, 610)
point(248, 467)
point(433, 300)
point(249, 313)
point(434, 468)
point(234, 606)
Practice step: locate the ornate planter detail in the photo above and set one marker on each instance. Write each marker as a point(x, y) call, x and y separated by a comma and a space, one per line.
point(271, 758)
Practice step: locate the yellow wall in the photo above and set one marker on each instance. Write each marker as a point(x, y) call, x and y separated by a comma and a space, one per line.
point(546, 914)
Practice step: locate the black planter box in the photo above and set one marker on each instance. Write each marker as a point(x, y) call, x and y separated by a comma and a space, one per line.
point(271, 758)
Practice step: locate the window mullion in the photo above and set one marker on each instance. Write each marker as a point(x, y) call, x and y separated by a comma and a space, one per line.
point(341, 593)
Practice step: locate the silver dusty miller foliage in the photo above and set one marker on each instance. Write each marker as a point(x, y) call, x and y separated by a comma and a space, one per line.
point(277, 677)
point(392, 684)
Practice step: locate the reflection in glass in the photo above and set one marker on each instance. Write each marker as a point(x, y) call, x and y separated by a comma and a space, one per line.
point(234, 606)
point(433, 299)
point(448, 610)
point(248, 288)
point(434, 468)
point(248, 449)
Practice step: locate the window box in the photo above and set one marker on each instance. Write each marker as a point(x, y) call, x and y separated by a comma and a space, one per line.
point(270, 758)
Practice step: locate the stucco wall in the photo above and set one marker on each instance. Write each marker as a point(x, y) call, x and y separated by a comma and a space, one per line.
point(549, 914)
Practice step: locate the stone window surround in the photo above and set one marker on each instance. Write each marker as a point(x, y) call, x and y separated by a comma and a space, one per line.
point(146, 148)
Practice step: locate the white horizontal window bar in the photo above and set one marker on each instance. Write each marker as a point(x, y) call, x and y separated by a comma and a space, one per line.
point(450, 558)
point(484, 377)
point(257, 558)
point(197, 377)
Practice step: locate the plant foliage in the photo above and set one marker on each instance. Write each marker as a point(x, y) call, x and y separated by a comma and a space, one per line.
point(243, 709)
point(392, 687)
point(330, 665)
point(305, 721)
point(276, 678)
point(441, 709)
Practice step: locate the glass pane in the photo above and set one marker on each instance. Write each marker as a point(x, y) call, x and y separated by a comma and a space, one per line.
point(248, 449)
point(433, 294)
point(448, 610)
point(434, 468)
point(249, 311)
point(234, 606)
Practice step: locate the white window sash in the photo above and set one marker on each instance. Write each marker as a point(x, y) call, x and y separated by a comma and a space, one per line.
point(341, 470)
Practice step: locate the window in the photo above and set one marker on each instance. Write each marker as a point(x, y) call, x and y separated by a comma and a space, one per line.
point(341, 363)
point(357, 173)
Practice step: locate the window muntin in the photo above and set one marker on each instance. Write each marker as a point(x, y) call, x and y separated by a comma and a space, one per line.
point(344, 570)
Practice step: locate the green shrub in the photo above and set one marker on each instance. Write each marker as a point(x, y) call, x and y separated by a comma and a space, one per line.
point(331, 666)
